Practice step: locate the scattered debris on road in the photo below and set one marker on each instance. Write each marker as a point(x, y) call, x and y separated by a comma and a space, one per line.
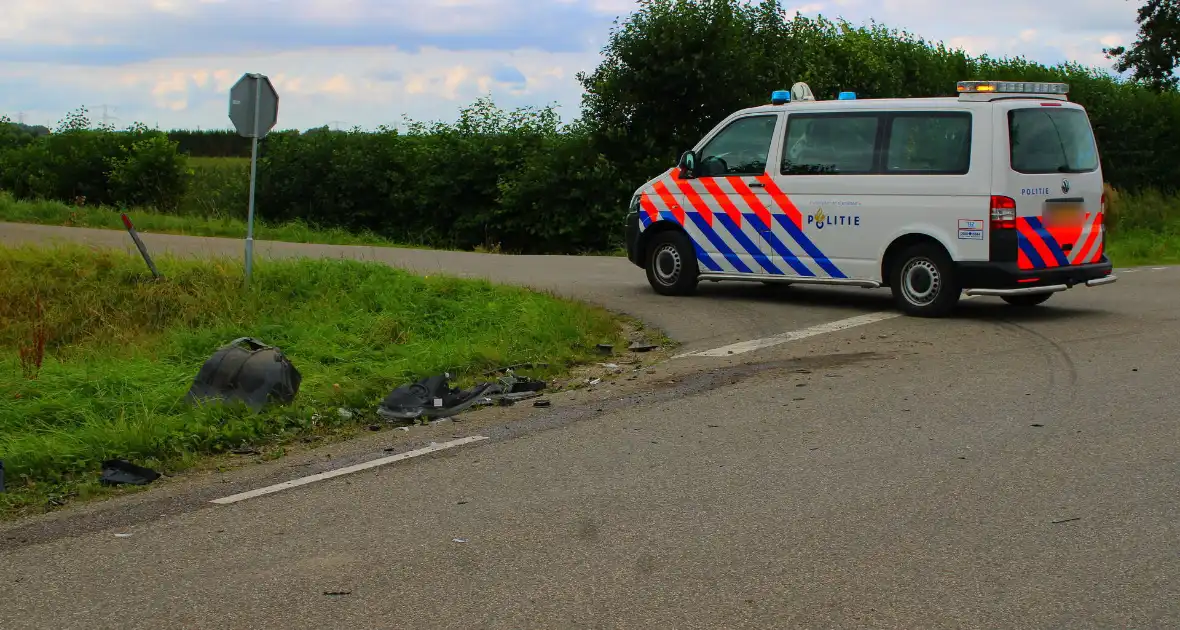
point(459, 540)
point(1067, 520)
point(337, 593)
point(433, 398)
point(539, 403)
point(605, 349)
point(249, 371)
point(640, 346)
point(122, 535)
point(120, 471)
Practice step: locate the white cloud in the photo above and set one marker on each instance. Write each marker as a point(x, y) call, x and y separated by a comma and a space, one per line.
point(369, 62)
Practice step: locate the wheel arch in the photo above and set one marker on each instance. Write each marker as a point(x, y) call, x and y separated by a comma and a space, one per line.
point(900, 244)
point(659, 227)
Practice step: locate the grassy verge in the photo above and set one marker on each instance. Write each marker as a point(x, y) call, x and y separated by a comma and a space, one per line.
point(57, 213)
point(1145, 228)
point(121, 350)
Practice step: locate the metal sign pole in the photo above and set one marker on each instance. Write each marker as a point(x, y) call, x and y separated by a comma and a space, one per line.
point(247, 117)
point(253, 179)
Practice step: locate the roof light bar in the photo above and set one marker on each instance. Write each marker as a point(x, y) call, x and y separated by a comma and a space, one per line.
point(780, 97)
point(1012, 87)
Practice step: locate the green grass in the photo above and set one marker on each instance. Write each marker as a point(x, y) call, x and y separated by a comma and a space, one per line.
point(1145, 228)
point(219, 187)
point(57, 213)
point(121, 351)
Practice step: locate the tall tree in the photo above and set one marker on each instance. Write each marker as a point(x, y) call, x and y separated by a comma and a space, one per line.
point(1155, 55)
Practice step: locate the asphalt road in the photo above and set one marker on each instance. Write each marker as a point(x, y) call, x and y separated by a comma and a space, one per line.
point(996, 469)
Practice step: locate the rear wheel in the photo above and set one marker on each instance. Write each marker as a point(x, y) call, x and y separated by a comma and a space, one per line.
point(923, 281)
point(1027, 300)
point(672, 264)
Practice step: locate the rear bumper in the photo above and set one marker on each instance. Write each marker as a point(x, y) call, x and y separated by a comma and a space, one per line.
point(633, 253)
point(1000, 279)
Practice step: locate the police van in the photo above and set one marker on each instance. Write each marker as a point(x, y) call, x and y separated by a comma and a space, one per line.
point(995, 192)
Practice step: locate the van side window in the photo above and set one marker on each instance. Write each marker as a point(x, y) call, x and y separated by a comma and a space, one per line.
point(929, 143)
point(741, 148)
point(830, 144)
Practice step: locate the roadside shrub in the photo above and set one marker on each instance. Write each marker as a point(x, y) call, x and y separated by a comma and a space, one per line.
point(78, 164)
point(149, 173)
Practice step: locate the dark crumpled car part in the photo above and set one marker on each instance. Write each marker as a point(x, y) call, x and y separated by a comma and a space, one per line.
point(249, 371)
point(432, 397)
point(120, 471)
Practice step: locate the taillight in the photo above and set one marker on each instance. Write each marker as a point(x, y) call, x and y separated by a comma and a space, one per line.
point(1003, 213)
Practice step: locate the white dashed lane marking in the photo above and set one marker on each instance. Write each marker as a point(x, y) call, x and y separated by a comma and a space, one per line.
point(743, 347)
point(302, 481)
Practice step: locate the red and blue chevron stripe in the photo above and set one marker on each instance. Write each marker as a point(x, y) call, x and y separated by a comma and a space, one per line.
point(1042, 247)
point(725, 214)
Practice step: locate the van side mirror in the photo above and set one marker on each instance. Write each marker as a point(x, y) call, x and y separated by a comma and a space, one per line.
point(688, 164)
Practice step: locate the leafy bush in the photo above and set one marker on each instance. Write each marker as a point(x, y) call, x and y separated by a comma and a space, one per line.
point(149, 173)
point(100, 166)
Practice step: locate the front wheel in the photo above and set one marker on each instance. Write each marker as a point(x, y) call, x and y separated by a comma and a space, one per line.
point(672, 264)
point(1027, 300)
point(923, 281)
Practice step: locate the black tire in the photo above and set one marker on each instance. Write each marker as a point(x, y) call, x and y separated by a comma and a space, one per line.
point(923, 281)
point(672, 264)
point(1027, 300)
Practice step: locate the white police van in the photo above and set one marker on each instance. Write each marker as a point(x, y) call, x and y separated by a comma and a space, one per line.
point(995, 192)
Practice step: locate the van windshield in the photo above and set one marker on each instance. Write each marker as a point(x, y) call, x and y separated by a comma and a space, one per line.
point(1051, 140)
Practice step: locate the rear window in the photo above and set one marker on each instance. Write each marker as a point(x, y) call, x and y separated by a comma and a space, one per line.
point(1051, 140)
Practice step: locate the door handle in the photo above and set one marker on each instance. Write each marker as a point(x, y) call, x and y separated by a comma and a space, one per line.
point(756, 184)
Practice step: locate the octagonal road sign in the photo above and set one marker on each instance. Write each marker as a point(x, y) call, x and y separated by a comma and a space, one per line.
point(253, 105)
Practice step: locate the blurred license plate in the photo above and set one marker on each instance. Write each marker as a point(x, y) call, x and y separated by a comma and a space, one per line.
point(1064, 214)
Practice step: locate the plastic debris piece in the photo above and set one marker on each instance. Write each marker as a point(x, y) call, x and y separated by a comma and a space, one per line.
point(431, 397)
point(120, 471)
point(640, 346)
point(605, 348)
point(542, 403)
point(459, 540)
point(249, 371)
point(122, 535)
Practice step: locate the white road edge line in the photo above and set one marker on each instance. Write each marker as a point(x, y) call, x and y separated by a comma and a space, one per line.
point(302, 481)
point(819, 329)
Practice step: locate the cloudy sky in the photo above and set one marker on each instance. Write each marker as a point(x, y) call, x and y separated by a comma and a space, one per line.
point(369, 62)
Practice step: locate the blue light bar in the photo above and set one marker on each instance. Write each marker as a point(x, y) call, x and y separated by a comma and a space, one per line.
point(780, 97)
point(847, 96)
